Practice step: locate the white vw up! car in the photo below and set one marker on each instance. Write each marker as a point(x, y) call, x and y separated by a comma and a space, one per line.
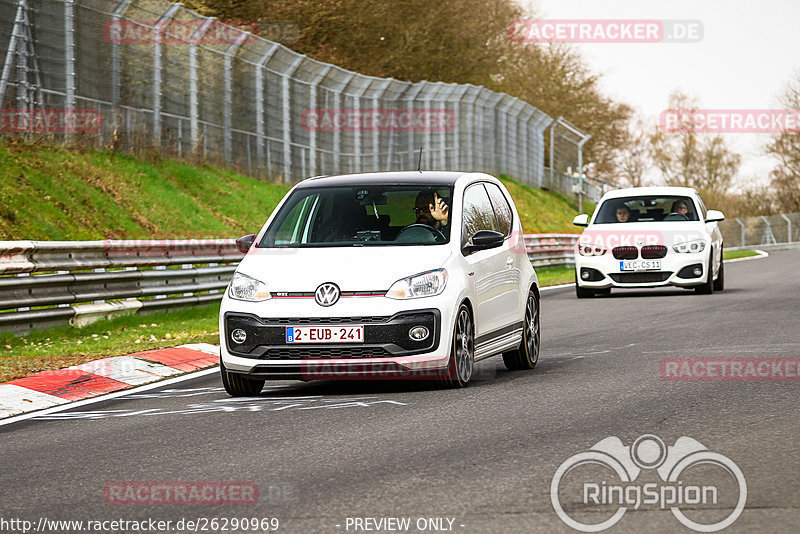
point(395, 274)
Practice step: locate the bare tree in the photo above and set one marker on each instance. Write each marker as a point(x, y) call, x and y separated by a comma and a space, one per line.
point(785, 147)
point(634, 158)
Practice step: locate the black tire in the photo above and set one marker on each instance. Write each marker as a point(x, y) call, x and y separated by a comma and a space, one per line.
point(526, 356)
point(582, 292)
point(719, 283)
point(462, 354)
point(237, 385)
point(707, 287)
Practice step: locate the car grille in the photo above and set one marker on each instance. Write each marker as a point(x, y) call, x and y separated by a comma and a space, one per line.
point(640, 278)
point(653, 252)
point(325, 320)
point(625, 253)
point(300, 353)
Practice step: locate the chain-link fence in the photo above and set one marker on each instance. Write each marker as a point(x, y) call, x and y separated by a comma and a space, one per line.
point(566, 164)
point(761, 231)
point(143, 74)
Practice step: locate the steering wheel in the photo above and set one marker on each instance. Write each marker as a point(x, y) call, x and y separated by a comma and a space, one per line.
point(675, 216)
point(438, 236)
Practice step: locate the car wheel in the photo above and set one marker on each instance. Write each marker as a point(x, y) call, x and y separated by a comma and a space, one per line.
point(237, 385)
point(462, 354)
point(719, 283)
point(526, 356)
point(708, 286)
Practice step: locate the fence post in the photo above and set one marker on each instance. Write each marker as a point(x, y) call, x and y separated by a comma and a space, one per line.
point(412, 148)
point(457, 126)
point(358, 134)
point(376, 134)
point(157, 71)
point(227, 103)
point(286, 102)
point(312, 133)
point(115, 67)
point(260, 104)
point(788, 227)
point(16, 35)
point(69, 60)
point(193, 103)
point(741, 224)
point(337, 134)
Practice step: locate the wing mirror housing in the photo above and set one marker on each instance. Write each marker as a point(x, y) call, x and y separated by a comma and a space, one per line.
point(581, 220)
point(714, 216)
point(245, 242)
point(484, 239)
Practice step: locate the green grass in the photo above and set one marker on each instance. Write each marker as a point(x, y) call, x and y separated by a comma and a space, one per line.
point(63, 347)
point(53, 193)
point(733, 254)
point(555, 275)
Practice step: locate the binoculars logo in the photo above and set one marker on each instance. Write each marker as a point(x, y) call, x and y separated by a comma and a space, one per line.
point(648, 452)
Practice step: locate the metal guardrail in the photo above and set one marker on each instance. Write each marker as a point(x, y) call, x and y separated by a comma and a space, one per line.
point(47, 284)
point(54, 283)
point(551, 249)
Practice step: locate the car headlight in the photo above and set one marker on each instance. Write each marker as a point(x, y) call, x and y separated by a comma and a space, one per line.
point(243, 287)
point(425, 284)
point(590, 250)
point(698, 245)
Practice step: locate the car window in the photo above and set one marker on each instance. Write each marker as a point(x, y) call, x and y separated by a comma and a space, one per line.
point(478, 212)
point(502, 210)
point(371, 215)
point(667, 208)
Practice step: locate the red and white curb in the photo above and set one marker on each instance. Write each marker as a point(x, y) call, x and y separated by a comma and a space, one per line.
point(100, 377)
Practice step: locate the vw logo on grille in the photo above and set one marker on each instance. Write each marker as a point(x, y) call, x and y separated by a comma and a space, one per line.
point(327, 294)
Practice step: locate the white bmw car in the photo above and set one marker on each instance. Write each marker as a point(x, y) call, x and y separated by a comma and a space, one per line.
point(381, 275)
point(649, 237)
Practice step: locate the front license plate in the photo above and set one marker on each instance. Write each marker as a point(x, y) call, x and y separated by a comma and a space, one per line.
point(640, 265)
point(325, 334)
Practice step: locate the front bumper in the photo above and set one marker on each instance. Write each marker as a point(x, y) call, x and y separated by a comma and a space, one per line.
point(387, 350)
point(676, 270)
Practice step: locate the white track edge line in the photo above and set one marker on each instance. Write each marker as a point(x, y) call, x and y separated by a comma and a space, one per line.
point(109, 396)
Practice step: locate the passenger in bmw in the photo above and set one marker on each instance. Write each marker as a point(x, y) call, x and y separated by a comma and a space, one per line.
point(623, 212)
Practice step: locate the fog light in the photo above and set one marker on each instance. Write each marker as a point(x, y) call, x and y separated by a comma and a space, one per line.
point(585, 275)
point(418, 333)
point(698, 271)
point(238, 336)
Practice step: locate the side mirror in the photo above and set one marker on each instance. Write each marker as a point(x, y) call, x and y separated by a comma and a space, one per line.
point(581, 220)
point(714, 216)
point(484, 239)
point(245, 242)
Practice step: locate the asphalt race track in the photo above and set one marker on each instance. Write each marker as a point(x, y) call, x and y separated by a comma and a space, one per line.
point(478, 460)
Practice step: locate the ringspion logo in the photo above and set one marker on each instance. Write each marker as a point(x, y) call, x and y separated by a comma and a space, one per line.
point(612, 478)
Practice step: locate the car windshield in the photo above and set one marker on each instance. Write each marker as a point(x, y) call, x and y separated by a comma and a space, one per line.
point(646, 209)
point(368, 215)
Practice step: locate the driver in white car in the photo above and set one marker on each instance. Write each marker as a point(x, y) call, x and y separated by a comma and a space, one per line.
point(431, 209)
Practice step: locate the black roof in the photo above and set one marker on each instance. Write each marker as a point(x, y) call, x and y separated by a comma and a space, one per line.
point(432, 178)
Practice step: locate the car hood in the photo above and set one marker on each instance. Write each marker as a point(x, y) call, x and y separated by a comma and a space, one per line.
point(644, 233)
point(351, 268)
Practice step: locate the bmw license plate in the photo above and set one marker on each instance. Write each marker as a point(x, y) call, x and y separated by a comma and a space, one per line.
point(639, 265)
point(325, 334)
